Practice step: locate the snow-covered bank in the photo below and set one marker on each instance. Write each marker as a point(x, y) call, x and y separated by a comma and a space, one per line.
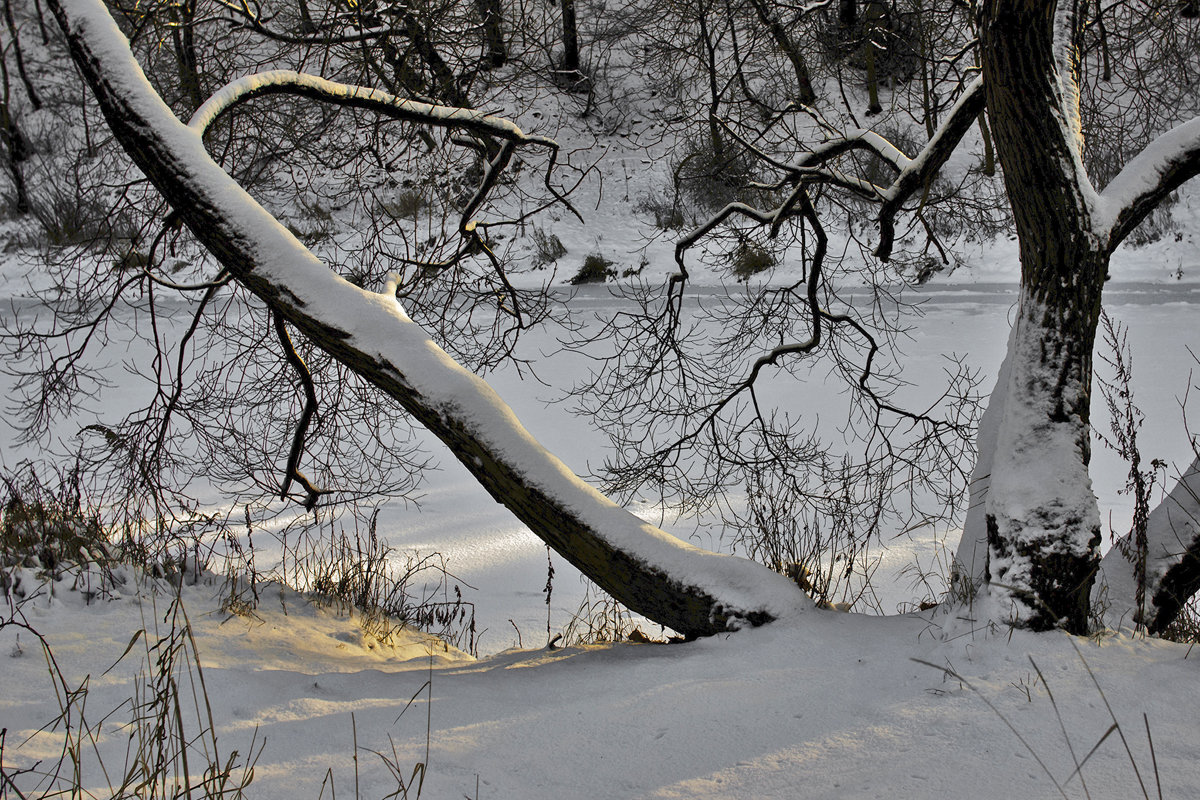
point(830, 706)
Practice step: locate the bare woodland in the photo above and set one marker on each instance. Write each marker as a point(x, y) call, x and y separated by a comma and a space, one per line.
point(1083, 120)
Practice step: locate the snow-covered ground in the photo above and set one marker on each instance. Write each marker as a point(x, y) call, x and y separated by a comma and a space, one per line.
point(829, 705)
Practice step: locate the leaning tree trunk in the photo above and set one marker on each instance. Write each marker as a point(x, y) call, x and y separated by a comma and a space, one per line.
point(1168, 571)
point(1042, 519)
point(691, 590)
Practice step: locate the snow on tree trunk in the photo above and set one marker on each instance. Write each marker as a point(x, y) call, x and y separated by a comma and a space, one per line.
point(970, 567)
point(683, 587)
point(1043, 523)
point(1172, 563)
point(1042, 519)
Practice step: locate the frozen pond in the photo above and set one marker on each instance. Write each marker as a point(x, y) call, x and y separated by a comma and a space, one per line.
point(507, 566)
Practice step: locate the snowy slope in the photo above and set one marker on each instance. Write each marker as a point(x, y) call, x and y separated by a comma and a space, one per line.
point(831, 706)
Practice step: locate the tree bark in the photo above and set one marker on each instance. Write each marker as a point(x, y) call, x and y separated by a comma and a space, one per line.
point(570, 31)
point(1042, 518)
point(445, 87)
point(805, 94)
point(690, 590)
point(183, 33)
point(874, 13)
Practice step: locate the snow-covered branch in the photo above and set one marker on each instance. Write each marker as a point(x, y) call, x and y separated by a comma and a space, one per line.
point(919, 171)
point(854, 139)
point(911, 174)
point(484, 126)
point(1161, 168)
point(283, 81)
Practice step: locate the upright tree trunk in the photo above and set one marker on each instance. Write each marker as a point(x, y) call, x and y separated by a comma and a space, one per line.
point(570, 31)
point(805, 93)
point(1043, 523)
point(183, 32)
point(709, 46)
point(493, 32)
point(17, 149)
point(989, 153)
point(847, 13)
point(445, 86)
point(874, 13)
point(16, 145)
point(30, 90)
point(307, 25)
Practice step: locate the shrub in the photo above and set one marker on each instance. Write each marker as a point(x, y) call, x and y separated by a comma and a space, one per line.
point(596, 269)
point(74, 217)
point(362, 573)
point(406, 204)
point(311, 223)
point(749, 259)
point(821, 541)
point(668, 216)
point(48, 528)
point(599, 619)
point(711, 180)
point(548, 248)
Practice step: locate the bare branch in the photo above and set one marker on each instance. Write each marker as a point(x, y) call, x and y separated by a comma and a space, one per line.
point(293, 472)
point(255, 22)
point(691, 590)
point(911, 174)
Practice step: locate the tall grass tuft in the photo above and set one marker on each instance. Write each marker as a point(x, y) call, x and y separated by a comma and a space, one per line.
point(171, 745)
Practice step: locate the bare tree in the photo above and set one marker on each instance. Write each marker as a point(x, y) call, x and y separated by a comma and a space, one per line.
point(1039, 521)
point(690, 590)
